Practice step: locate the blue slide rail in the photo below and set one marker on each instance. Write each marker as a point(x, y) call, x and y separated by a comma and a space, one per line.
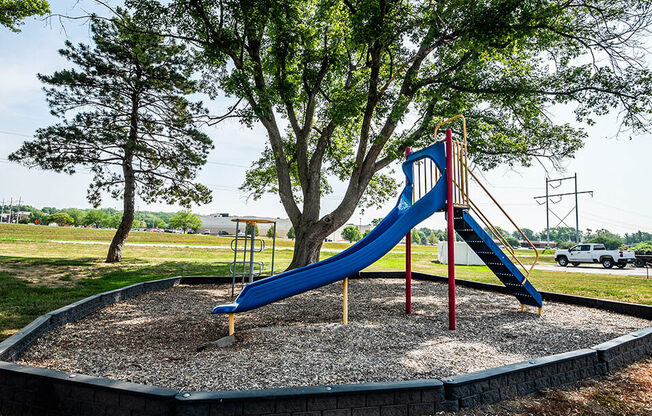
point(405, 216)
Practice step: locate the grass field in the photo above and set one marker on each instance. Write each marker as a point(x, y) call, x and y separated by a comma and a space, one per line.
point(38, 275)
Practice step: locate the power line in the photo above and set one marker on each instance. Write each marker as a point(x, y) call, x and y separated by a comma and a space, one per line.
point(622, 209)
point(11, 133)
point(550, 184)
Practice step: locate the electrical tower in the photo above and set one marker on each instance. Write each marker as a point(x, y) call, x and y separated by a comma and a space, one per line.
point(549, 198)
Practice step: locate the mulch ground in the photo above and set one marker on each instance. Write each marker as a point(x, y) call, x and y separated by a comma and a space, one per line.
point(157, 338)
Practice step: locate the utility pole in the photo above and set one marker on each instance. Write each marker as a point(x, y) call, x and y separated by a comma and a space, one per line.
point(11, 209)
point(577, 213)
point(2, 215)
point(547, 216)
point(20, 200)
point(548, 197)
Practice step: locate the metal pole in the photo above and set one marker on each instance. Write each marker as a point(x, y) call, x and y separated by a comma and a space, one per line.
point(251, 257)
point(244, 257)
point(11, 209)
point(451, 229)
point(577, 215)
point(235, 257)
point(2, 214)
point(547, 217)
point(408, 255)
point(273, 248)
point(345, 300)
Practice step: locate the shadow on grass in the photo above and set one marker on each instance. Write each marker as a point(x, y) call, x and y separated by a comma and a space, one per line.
point(49, 261)
point(20, 302)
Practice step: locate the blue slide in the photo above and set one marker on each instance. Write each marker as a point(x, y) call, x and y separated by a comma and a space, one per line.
point(376, 244)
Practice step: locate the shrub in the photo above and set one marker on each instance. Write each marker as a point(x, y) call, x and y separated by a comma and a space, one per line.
point(643, 248)
point(610, 243)
point(351, 234)
point(565, 245)
point(60, 218)
point(513, 241)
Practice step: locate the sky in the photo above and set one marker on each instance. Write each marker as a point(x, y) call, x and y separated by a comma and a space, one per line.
point(617, 168)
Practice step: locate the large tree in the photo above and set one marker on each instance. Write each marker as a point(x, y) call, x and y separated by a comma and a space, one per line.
point(125, 117)
point(343, 86)
point(185, 220)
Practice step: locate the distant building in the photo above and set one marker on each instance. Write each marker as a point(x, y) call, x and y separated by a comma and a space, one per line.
point(223, 223)
point(15, 217)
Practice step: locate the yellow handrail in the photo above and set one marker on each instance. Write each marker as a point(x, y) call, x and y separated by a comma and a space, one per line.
point(460, 167)
point(536, 252)
point(461, 197)
point(461, 194)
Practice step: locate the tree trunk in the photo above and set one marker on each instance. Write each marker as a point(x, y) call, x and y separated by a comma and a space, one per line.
point(307, 244)
point(115, 249)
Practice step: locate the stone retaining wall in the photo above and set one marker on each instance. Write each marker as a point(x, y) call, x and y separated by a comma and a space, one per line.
point(38, 391)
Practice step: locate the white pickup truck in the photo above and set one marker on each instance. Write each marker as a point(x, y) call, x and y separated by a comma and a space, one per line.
point(594, 253)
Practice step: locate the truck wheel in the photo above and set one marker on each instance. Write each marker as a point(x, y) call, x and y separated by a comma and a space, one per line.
point(607, 263)
point(621, 265)
point(639, 263)
point(563, 261)
point(575, 264)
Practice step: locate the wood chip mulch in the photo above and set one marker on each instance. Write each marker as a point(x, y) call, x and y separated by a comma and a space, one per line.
point(154, 338)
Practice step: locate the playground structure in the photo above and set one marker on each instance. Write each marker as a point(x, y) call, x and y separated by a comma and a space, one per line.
point(247, 269)
point(441, 171)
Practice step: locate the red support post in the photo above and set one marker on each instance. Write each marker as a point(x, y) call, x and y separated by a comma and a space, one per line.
point(451, 229)
point(408, 261)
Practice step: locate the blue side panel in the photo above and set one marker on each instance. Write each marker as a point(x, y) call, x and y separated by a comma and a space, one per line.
point(376, 244)
point(512, 277)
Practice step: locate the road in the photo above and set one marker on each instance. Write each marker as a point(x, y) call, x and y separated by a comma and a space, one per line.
point(594, 269)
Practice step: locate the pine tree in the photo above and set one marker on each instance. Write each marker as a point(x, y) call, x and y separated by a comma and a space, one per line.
point(123, 115)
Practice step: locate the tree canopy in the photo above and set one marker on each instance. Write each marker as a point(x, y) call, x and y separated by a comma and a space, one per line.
point(13, 12)
point(342, 87)
point(124, 116)
point(271, 231)
point(351, 234)
point(60, 218)
point(185, 220)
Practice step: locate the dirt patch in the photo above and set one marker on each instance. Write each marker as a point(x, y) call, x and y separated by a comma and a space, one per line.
point(44, 275)
point(626, 392)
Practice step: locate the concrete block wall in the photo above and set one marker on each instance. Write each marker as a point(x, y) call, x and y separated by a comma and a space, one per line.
point(505, 382)
point(406, 398)
point(38, 391)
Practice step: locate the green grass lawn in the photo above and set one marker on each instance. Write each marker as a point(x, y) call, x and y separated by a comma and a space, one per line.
point(38, 275)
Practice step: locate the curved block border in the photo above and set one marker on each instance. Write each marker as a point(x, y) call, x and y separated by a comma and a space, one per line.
point(32, 390)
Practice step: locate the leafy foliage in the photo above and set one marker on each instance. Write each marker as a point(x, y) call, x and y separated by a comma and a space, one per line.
point(638, 237)
point(531, 235)
point(125, 117)
point(643, 248)
point(271, 232)
point(602, 236)
point(565, 245)
point(514, 242)
point(291, 235)
point(185, 220)
point(252, 228)
point(12, 12)
point(60, 218)
point(351, 234)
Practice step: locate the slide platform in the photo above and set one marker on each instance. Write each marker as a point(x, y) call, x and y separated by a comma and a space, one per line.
point(405, 216)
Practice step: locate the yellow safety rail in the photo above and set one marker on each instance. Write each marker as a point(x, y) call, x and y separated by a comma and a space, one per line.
point(461, 197)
